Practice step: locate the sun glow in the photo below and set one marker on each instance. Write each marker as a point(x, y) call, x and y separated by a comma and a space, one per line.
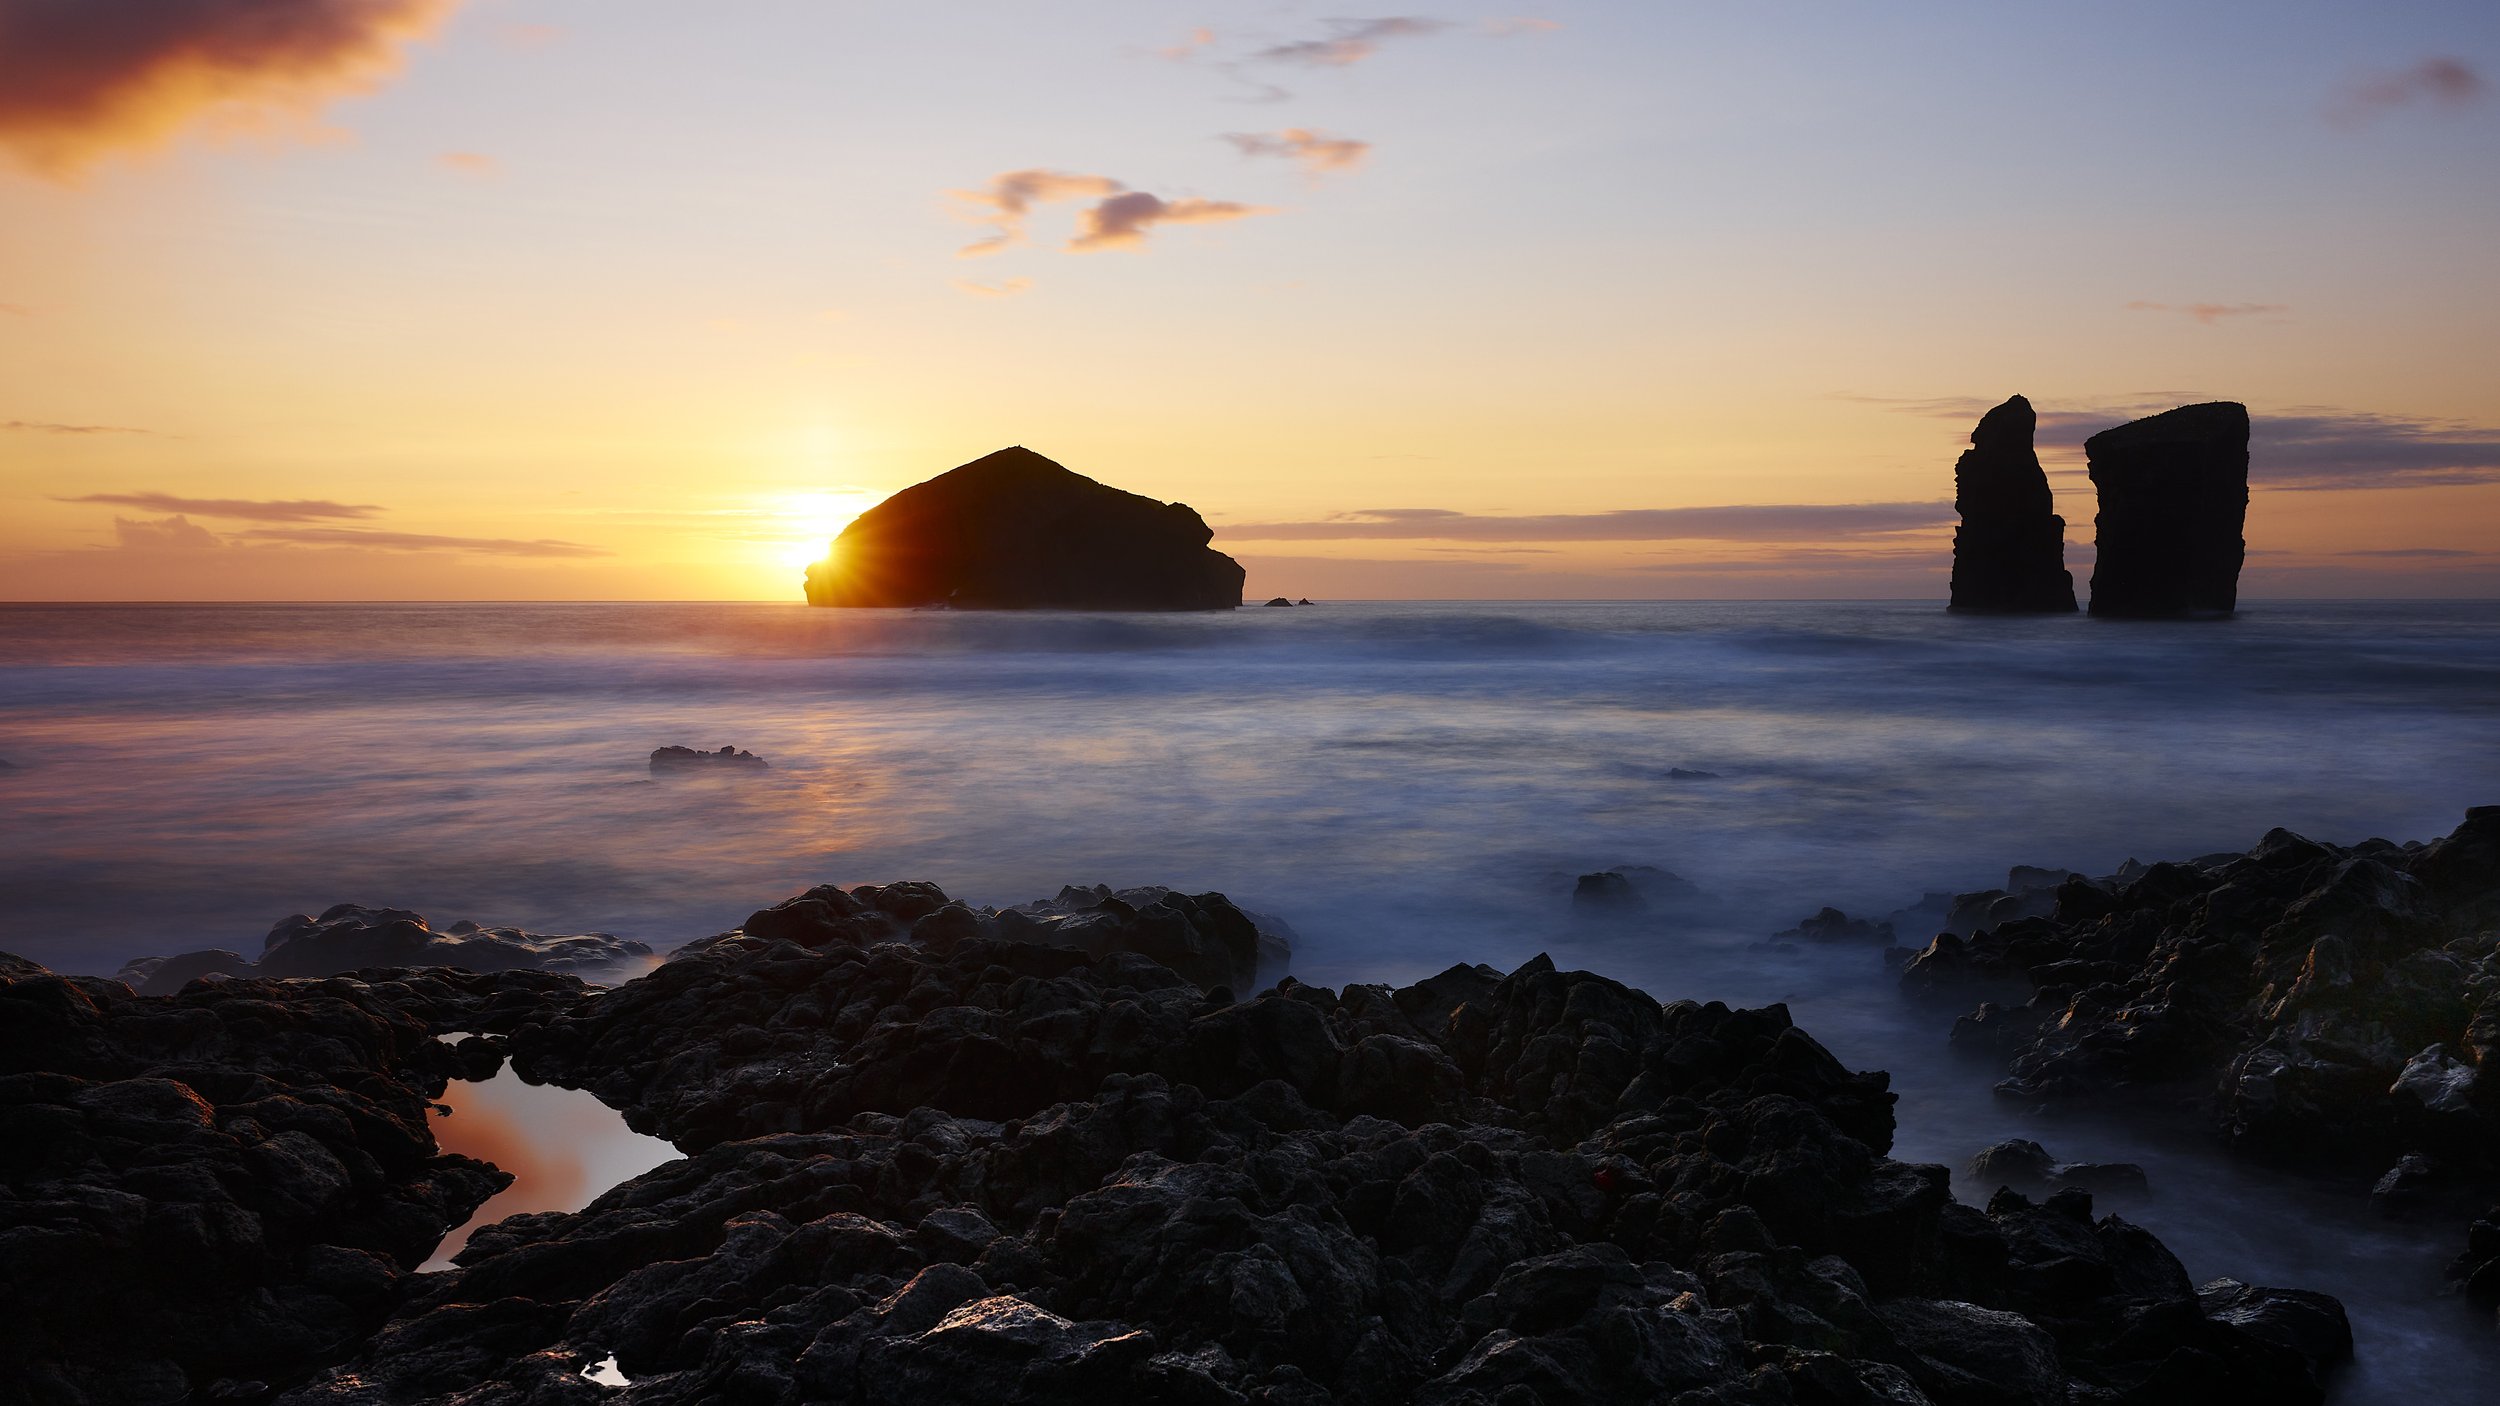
point(814, 520)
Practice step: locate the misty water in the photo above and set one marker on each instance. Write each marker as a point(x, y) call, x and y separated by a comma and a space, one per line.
point(1408, 785)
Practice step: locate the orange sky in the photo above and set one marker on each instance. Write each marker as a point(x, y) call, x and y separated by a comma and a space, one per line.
point(510, 299)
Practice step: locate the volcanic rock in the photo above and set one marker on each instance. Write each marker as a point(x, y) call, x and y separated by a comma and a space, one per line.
point(228, 1185)
point(349, 937)
point(2174, 501)
point(1017, 1173)
point(2009, 553)
point(1014, 530)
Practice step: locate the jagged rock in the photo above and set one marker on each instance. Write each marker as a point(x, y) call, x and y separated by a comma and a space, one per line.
point(226, 1185)
point(2009, 553)
point(1014, 530)
point(1025, 1174)
point(350, 937)
point(2174, 501)
point(669, 761)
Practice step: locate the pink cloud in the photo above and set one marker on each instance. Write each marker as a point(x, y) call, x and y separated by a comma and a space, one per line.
point(1121, 222)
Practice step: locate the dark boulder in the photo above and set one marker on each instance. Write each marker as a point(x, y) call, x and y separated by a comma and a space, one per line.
point(2009, 553)
point(2174, 501)
point(1280, 600)
point(1014, 530)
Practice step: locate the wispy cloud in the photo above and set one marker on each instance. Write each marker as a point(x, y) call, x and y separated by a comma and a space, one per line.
point(1008, 199)
point(468, 163)
point(378, 540)
point(1004, 288)
point(1747, 522)
point(2302, 447)
point(1188, 47)
point(48, 427)
point(1520, 24)
point(1119, 219)
point(1121, 222)
point(78, 77)
point(1315, 151)
point(161, 534)
point(529, 36)
point(2439, 82)
point(2426, 553)
point(248, 509)
point(2211, 313)
point(1349, 41)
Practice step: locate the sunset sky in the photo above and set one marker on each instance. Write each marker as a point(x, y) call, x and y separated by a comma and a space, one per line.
point(391, 299)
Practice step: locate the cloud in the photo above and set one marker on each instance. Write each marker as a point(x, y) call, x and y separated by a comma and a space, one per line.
point(1008, 199)
point(2437, 82)
point(1757, 522)
point(46, 427)
point(80, 77)
point(1121, 222)
point(2302, 447)
point(161, 534)
point(1349, 41)
point(249, 509)
point(2211, 313)
point(529, 36)
point(1520, 24)
point(377, 540)
point(470, 163)
point(1004, 288)
point(1316, 151)
point(1189, 46)
point(2409, 552)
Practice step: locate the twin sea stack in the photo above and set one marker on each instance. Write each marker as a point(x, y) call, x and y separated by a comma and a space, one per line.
point(2174, 502)
point(1014, 530)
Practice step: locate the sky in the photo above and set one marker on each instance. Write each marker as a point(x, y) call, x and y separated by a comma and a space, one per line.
point(644, 299)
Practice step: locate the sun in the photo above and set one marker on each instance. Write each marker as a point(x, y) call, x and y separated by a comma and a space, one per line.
point(812, 521)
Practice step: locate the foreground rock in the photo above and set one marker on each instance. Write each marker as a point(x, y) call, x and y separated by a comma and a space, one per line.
point(2174, 501)
point(952, 1165)
point(225, 1187)
point(1014, 530)
point(350, 937)
point(670, 761)
point(2009, 554)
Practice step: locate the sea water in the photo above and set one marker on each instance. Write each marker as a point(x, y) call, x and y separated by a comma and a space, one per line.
point(1406, 784)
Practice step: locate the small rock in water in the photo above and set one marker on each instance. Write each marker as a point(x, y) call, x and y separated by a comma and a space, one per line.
point(1831, 924)
point(2024, 1165)
point(1685, 773)
point(1306, 600)
point(674, 759)
point(1606, 892)
point(2405, 1183)
point(1280, 600)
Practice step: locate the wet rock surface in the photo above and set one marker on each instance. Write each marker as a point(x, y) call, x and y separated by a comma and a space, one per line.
point(2174, 501)
point(1014, 530)
point(227, 1186)
point(2009, 552)
point(350, 937)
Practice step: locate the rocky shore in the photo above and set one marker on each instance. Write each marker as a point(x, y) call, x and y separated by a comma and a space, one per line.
point(937, 1153)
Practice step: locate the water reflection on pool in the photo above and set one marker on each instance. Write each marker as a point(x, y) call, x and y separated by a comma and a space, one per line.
point(562, 1146)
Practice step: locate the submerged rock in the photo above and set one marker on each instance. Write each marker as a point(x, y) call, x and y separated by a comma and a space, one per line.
point(683, 759)
point(2174, 501)
point(350, 937)
point(2009, 554)
point(1014, 530)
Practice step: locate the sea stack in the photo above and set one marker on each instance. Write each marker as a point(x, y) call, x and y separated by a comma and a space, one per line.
point(2174, 500)
point(2009, 554)
point(1014, 530)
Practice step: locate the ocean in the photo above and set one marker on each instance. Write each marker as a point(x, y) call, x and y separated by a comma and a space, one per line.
point(1407, 785)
